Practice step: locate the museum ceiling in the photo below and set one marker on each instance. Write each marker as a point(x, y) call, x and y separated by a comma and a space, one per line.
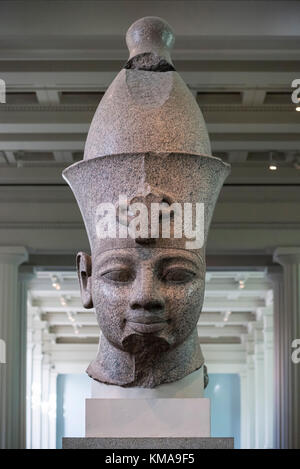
point(241, 78)
point(239, 62)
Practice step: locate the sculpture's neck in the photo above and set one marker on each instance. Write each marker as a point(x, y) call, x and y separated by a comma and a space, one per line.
point(114, 366)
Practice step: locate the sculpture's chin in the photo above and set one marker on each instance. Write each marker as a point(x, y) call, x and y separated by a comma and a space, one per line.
point(145, 343)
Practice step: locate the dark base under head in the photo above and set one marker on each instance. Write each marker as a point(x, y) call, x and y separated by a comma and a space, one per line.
point(148, 443)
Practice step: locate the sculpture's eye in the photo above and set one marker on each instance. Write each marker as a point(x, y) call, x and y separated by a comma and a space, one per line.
point(118, 275)
point(178, 275)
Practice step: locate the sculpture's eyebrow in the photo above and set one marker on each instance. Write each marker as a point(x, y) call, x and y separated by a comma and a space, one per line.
point(166, 259)
point(109, 257)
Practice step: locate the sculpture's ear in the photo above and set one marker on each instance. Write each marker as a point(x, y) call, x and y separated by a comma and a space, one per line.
point(84, 271)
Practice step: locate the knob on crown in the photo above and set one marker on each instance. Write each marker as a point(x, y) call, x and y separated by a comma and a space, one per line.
point(150, 34)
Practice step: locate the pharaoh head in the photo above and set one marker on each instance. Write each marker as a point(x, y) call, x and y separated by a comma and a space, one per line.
point(146, 189)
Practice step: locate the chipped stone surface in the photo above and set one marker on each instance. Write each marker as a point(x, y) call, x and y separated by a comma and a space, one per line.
point(148, 141)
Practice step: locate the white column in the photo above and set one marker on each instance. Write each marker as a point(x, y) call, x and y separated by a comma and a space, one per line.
point(280, 412)
point(36, 390)
point(52, 408)
point(244, 408)
point(11, 331)
point(41, 406)
point(48, 403)
point(45, 392)
point(29, 359)
point(268, 332)
point(250, 393)
point(259, 386)
point(289, 258)
point(25, 275)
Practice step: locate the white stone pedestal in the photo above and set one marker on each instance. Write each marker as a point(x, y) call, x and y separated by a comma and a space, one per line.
point(170, 410)
point(147, 418)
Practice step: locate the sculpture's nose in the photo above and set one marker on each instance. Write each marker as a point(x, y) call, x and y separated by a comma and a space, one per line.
point(146, 296)
point(151, 305)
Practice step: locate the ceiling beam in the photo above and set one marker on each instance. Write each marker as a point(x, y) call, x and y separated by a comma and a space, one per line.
point(10, 156)
point(63, 156)
point(47, 96)
point(253, 97)
point(203, 29)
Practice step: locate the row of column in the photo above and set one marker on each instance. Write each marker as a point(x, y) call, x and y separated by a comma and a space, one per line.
point(257, 381)
point(287, 331)
point(25, 421)
point(13, 339)
point(277, 368)
point(41, 388)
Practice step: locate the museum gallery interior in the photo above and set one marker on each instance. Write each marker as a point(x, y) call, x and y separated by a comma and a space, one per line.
point(116, 327)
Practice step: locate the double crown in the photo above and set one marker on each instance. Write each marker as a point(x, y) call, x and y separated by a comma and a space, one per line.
point(147, 144)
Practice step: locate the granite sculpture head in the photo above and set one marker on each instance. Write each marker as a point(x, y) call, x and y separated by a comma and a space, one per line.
point(147, 148)
point(146, 298)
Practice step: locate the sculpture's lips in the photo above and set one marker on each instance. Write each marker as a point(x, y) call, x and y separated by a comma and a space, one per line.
point(146, 324)
point(147, 328)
